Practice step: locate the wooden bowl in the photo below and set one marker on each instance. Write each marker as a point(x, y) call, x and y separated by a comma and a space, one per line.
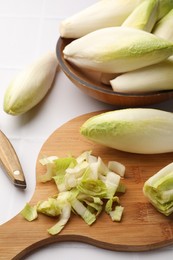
point(89, 83)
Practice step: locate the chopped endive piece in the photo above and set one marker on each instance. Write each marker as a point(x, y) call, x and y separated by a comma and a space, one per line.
point(101, 50)
point(134, 130)
point(64, 217)
point(159, 190)
point(104, 13)
point(121, 188)
point(110, 202)
point(86, 156)
point(117, 167)
point(31, 85)
point(157, 77)
point(82, 211)
point(47, 160)
point(50, 166)
point(94, 204)
point(112, 181)
point(144, 16)
point(93, 188)
point(116, 214)
point(163, 28)
point(54, 166)
point(49, 207)
point(29, 212)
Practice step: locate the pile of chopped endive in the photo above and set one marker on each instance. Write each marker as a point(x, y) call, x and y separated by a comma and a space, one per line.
point(85, 186)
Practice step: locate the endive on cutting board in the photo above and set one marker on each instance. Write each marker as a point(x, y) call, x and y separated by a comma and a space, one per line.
point(134, 233)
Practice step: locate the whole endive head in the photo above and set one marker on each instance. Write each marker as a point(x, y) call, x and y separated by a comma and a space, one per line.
point(144, 16)
point(135, 130)
point(117, 50)
point(103, 13)
point(157, 77)
point(30, 86)
point(108, 13)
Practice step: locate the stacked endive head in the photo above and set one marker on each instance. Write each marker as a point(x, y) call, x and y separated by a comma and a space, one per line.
point(159, 190)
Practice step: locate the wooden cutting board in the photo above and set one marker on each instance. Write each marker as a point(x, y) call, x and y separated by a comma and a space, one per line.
point(142, 227)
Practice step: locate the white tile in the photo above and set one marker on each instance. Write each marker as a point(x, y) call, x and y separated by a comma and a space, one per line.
point(20, 7)
point(19, 39)
point(6, 76)
point(49, 35)
point(59, 8)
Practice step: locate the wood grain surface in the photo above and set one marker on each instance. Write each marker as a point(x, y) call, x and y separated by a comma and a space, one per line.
point(142, 227)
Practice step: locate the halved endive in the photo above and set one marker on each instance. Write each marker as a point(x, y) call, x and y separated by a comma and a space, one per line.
point(134, 130)
point(104, 13)
point(159, 190)
point(30, 85)
point(117, 49)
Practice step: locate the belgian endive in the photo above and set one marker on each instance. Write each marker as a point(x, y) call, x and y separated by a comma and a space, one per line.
point(134, 130)
point(144, 16)
point(164, 7)
point(157, 77)
point(31, 85)
point(104, 13)
point(117, 49)
point(163, 28)
point(159, 190)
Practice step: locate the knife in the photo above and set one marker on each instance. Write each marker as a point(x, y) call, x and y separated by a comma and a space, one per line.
point(10, 162)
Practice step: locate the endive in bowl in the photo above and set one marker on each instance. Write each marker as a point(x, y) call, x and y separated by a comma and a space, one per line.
point(89, 82)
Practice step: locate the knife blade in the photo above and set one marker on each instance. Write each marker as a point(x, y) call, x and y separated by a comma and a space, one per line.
point(10, 162)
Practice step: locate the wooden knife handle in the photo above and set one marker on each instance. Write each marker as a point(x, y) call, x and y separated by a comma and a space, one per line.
point(10, 162)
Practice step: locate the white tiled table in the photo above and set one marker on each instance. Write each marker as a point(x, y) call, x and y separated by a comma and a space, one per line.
point(28, 29)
